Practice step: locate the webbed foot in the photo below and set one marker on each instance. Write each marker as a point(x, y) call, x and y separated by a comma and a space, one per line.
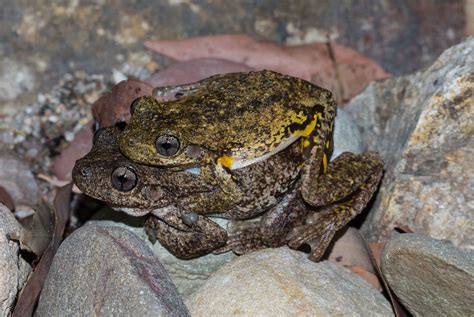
point(317, 236)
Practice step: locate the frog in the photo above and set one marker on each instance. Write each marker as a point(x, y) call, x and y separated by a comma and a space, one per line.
point(164, 195)
point(270, 194)
point(227, 122)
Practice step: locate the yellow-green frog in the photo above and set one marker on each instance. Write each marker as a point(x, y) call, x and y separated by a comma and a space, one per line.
point(227, 122)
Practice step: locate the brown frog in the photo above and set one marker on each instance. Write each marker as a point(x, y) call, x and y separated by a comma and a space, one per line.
point(167, 194)
point(271, 187)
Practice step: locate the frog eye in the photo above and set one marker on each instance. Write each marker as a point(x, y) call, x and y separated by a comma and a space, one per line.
point(167, 145)
point(124, 179)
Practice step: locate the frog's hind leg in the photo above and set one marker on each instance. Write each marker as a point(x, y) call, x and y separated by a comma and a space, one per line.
point(271, 230)
point(318, 235)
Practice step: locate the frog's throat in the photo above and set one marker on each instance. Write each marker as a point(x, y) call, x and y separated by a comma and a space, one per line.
point(237, 163)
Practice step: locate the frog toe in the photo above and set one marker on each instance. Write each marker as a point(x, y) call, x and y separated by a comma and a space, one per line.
point(316, 236)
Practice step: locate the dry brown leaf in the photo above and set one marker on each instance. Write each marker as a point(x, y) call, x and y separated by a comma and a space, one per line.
point(376, 249)
point(80, 146)
point(29, 294)
point(194, 70)
point(396, 305)
point(114, 106)
point(335, 67)
point(370, 277)
point(349, 251)
point(37, 230)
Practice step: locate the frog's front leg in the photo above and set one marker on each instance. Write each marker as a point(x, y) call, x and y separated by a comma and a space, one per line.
point(349, 183)
point(226, 194)
point(271, 230)
point(196, 237)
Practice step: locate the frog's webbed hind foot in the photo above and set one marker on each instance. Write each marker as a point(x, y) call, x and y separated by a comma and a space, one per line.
point(319, 234)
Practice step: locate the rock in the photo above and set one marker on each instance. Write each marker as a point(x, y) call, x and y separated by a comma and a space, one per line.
point(108, 271)
point(283, 282)
point(18, 180)
point(13, 268)
point(430, 277)
point(422, 126)
point(346, 134)
point(187, 275)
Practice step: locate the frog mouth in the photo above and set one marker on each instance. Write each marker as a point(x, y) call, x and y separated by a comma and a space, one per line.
point(135, 212)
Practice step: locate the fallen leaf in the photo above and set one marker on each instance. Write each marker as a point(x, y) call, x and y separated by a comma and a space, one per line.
point(397, 307)
point(80, 146)
point(114, 106)
point(376, 249)
point(370, 277)
point(30, 293)
point(349, 250)
point(37, 229)
point(194, 70)
point(335, 67)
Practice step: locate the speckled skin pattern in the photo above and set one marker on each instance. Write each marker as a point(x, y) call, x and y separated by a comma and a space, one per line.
point(272, 189)
point(229, 120)
point(168, 193)
point(239, 115)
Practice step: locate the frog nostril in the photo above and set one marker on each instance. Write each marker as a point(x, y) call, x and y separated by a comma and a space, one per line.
point(86, 171)
point(124, 178)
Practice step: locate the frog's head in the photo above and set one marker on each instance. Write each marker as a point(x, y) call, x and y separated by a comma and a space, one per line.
point(105, 174)
point(160, 134)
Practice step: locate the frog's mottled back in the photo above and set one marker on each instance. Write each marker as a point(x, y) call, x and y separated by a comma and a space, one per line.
point(235, 119)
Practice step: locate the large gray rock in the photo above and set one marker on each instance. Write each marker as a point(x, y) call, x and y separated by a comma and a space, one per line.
point(283, 282)
point(430, 277)
point(187, 275)
point(422, 124)
point(108, 271)
point(346, 134)
point(13, 269)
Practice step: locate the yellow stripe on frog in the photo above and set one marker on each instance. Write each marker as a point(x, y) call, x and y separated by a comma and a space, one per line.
point(225, 161)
